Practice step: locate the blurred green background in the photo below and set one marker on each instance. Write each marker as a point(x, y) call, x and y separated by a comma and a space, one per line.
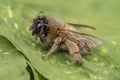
point(20, 53)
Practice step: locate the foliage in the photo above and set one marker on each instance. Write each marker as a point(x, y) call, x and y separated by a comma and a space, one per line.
point(20, 53)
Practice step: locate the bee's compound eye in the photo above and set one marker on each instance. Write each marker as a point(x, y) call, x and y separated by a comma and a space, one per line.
point(39, 25)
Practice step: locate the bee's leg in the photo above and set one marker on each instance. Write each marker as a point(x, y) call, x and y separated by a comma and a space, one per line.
point(43, 40)
point(44, 44)
point(74, 51)
point(55, 46)
point(77, 58)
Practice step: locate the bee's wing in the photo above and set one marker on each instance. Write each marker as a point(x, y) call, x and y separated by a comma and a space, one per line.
point(81, 25)
point(84, 41)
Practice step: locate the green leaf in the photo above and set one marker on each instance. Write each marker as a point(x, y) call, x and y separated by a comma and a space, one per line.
point(103, 62)
point(12, 63)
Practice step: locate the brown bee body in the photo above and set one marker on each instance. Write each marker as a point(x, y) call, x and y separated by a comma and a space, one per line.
point(55, 32)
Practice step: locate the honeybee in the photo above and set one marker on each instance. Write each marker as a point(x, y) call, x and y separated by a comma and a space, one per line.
point(54, 32)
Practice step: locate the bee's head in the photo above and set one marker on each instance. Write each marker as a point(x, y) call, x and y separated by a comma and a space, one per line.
point(38, 25)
